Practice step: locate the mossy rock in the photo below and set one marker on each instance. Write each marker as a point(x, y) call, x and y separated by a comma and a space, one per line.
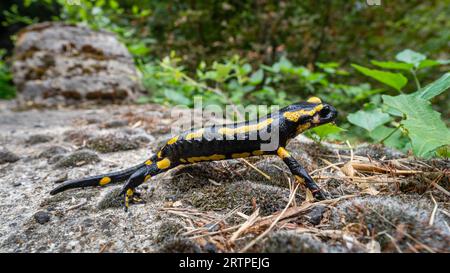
point(111, 143)
point(241, 193)
point(38, 138)
point(200, 175)
point(291, 242)
point(271, 166)
point(392, 215)
point(168, 231)
point(78, 158)
point(111, 199)
point(180, 245)
point(52, 151)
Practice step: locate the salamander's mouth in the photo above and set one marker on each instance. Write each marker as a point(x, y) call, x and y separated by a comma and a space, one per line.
point(327, 114)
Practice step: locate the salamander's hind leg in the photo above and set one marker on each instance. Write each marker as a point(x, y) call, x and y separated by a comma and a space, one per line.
point(140, 176)
point(301, 175)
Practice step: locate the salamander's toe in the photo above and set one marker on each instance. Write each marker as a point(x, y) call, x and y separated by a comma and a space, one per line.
point(131, 196)
point(320, 195)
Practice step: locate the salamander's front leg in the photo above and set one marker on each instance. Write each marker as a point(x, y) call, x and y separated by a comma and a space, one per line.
point(129, 189)
point(152, 167)
point(301, 175)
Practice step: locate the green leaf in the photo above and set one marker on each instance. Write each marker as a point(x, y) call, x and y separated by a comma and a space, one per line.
point(435, 88)
point(395, 80)
point(369, 120)
point(138, 49)
point(425, 128)
point(393, 65)
point(411, 57)
point(223, 72)
point(144, 99)
point(176, 97)
point(428, 63)
point(257, 77)
point(326, 130)
point(395, 139)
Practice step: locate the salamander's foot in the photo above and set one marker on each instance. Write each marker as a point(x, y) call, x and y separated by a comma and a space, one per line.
point(131, 196)
point(319, 194)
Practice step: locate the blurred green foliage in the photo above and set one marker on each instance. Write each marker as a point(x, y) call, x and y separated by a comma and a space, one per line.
point(7, 90)
point(279, 52)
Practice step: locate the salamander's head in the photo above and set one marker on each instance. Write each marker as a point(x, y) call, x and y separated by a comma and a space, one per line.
point(310, 113)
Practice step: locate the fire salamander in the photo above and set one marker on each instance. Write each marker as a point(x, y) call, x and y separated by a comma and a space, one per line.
point(220, 142)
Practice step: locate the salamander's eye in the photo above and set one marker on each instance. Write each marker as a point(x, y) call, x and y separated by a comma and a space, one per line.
point(325, 111)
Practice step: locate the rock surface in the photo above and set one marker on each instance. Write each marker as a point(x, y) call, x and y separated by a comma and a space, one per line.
point(63, 64)
point(92, 219)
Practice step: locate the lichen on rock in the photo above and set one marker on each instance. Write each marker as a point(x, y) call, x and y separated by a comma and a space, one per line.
point(64, 64)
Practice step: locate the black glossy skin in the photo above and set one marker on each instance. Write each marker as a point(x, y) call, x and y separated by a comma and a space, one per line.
point(212, 144)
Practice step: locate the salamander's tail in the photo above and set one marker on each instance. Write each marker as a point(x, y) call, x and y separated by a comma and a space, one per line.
point(98, 180)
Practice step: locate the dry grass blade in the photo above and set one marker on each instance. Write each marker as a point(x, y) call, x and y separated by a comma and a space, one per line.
point(248, 246)
point(435, 184)
point(250, 221)
point(433, 213)
point(256, 169)
point(373, 168)
point(330, 165)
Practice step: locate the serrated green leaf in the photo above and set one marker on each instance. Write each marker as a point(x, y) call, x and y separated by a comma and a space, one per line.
point(393, 65)
point(411, 57)
point(395, 80)
point(369, 120)
point(425, 128)
point(435, 88)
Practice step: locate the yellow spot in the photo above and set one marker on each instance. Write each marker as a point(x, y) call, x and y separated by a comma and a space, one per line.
point(128, 194)
point(258, 152)
point(282, 152)
point(105, 180)
point(159, 154)
point(206, 158)
point(147, 177)
point(295, 116)
point(163, 164)
point(299, 179)
point(183, 160)
point(314, 100)
point(148, 162)
point(246, 128)
point(172, 140)
point(240, 155)
point(292, 116)
point(197, 134)
point(303, 127)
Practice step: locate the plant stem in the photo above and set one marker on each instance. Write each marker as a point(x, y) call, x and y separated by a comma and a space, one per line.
point(390, 134)
point(416, 80)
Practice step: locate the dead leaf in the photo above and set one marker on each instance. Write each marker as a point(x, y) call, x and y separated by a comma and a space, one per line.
point(348, 169)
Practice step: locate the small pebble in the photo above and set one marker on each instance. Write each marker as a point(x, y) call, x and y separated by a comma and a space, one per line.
point(42, 217)
point(315, 215)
